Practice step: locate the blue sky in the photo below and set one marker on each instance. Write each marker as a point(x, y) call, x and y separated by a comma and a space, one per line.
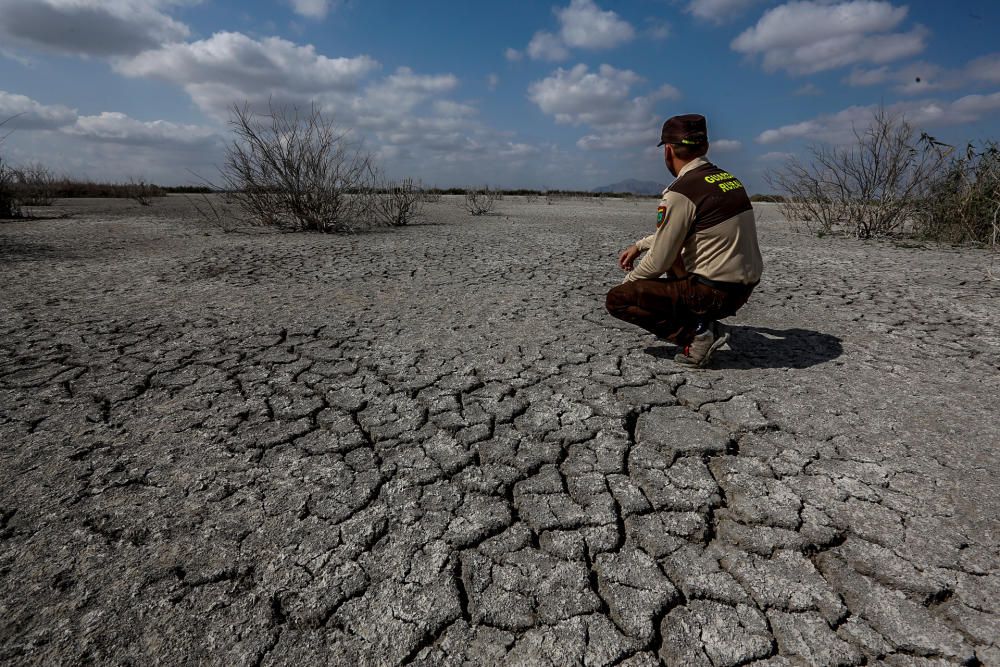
point(568, 94)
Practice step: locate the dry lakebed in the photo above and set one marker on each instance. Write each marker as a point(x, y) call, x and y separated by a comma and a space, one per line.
point(433, 446)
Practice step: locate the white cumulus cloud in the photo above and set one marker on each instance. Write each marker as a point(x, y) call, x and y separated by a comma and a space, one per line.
point(119, 128)
point(404, 89)
point(603, 100)
point(840, 127)
point(718, 11)
point(985, 68)
point(813, 36)
point(230, 67)
point(404, 115)
point(408, 113)
point(582, 25)
point(109, 145)
point(725, 145)
point(24, 113)
point(578, 95)
point(312, 9)
point(518, 150)
point(921, 78)
point(89, 27)
point(546, 46)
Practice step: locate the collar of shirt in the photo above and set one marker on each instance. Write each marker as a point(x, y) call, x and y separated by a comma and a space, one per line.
point(693, 164)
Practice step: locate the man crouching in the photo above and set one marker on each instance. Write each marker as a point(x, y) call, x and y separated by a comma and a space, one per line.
point(706, 243)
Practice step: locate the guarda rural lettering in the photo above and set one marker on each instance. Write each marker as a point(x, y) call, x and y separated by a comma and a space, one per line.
point(729, 182)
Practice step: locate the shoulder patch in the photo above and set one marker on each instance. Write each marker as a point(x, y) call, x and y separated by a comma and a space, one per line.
point(661, 216)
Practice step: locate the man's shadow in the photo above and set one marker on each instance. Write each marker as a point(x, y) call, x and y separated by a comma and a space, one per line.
point(760, 347)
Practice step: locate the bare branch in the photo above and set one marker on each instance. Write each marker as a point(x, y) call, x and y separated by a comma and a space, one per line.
point(872, 187)
point(480, 201)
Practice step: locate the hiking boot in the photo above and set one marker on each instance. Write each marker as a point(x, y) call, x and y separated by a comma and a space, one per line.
point(699, 352)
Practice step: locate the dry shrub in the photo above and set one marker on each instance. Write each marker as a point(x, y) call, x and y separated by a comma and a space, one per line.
point(36, 185)
point(10, 207)
point(298, 171)
point(963, 204)
point(430, 196)
point(871, 187)
point(142, 192)
point(71, 188)
point(480, 201)
point(215, 210)
point(295, 171)
point(391, 203)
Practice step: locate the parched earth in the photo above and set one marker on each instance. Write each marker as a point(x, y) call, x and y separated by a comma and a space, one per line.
point(433, 446)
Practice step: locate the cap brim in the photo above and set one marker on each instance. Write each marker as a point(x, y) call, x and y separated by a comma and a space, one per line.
point(660, 144)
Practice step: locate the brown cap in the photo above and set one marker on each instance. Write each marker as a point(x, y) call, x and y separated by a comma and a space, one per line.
point(688, 129)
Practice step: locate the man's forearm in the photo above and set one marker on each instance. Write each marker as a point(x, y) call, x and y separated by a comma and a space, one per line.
point(646, 242)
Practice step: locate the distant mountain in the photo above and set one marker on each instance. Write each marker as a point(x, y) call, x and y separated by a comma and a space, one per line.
point(634, 186)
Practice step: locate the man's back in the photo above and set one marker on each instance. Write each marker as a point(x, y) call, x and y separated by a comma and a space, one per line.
point(721, 237)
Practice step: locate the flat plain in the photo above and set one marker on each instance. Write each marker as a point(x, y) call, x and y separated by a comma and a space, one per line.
point(433, 446)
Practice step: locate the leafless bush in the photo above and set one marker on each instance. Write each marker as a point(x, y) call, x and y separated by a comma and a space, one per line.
point(531, 197)
point(392, 203)
point(430, 196)
point(10, 207)
point(36, 185)
point(480, 201)
point(296, 171)
point(870, 187)
point(71, 188)
point(215, 210)
point(963, 202)
point(142, 192)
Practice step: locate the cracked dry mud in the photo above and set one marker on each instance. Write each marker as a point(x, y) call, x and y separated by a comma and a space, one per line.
point(433, 446)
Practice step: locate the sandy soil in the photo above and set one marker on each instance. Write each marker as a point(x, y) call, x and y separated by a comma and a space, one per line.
point(433, 446)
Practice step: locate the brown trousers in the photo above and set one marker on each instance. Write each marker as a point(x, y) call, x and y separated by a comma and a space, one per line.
point(672, 307)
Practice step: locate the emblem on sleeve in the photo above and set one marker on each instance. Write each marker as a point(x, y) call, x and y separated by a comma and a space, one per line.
point(661, 216)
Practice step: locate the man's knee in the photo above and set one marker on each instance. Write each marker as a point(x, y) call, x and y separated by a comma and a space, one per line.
point(618, 300)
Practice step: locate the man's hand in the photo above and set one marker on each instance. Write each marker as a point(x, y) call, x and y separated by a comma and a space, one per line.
point(626, 259)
